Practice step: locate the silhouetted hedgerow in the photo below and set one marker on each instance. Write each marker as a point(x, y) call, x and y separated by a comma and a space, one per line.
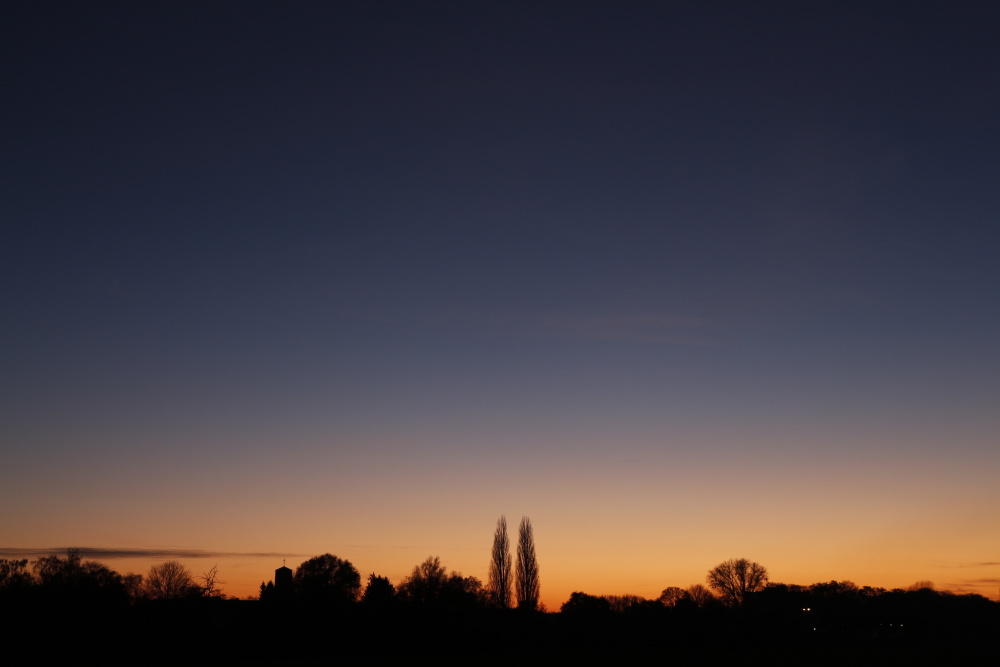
point(62, 608)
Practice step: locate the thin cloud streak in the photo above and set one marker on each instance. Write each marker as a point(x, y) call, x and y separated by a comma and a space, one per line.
point(113, 553)
point(968, 587)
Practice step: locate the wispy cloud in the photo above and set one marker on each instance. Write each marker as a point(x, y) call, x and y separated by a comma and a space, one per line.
point(976, 586)
point(106, 553)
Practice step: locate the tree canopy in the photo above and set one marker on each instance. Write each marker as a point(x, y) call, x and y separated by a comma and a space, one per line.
point(327, 579)
point(500, 567)
point(734, 578)
point(169, 581)
point(527, 586)
point(430, 586)
point(379, 593)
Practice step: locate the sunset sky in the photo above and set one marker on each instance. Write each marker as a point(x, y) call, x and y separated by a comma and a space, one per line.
point(681, 282)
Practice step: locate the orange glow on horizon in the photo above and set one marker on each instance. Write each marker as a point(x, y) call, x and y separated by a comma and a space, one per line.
point(241, 577)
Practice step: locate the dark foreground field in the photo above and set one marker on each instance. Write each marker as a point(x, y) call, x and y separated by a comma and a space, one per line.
point(231, 632)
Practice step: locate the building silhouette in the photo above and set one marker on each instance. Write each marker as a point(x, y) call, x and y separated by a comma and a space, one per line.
point(283, 583)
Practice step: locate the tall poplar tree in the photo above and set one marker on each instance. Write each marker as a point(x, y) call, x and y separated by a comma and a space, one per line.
point(500, 567)
point(527, 567)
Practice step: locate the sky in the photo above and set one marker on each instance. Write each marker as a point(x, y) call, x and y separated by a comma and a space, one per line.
point(681, 282)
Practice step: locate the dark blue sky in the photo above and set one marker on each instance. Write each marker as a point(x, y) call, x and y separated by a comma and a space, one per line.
point(665, 226)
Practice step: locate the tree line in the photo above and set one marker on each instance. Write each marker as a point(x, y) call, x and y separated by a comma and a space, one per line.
point(332, 582)
point(737, 611)
point(327, 580)
point(67, 577)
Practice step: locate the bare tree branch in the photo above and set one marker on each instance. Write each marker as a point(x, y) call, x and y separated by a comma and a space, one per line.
point(735, 578)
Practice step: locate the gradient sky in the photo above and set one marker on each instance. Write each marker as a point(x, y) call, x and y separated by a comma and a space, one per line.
point(681, 282)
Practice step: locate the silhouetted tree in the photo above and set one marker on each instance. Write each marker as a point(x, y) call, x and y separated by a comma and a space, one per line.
point(834, 588)
point(701, 596)
point(327, 579)
point(169, 581)
point(870, 592)
point(15, 583)
point(528, 588)
point(210, 583)
point(924, 584)
point(430, 586)
point(379, 593)
point(734, 578)
point(622, 603)
point(465, 592)
point(75, 581)
point(671, 595)
point(425, 583)
point(134, 586)
point(266, 593)
point(500, 567)
point(14, 574)
point(581, 604)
